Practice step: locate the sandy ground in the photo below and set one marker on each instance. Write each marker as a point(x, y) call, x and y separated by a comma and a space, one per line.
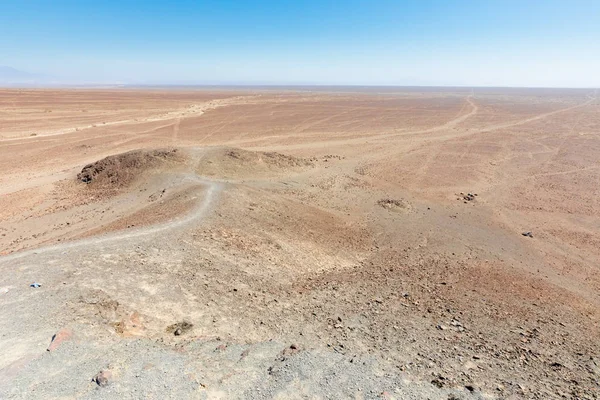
point(355, 243)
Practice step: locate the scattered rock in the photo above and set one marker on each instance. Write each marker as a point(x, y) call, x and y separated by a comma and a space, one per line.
point(467, 197)
point(437, 383)
point(394, 205)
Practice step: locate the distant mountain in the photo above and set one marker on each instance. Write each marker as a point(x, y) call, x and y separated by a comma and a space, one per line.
point(10, 76)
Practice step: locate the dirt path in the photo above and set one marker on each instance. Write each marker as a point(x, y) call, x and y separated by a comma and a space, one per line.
point(194, 110)
point(440, 128)
point(365, 139)
point(537, 117)
point(213, 190)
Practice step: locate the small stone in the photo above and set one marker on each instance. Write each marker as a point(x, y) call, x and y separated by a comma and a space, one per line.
point(556, 365)
point(437, 383)
point(103, 378)
point(58, 338)
point(180, 328)
point(470, 365)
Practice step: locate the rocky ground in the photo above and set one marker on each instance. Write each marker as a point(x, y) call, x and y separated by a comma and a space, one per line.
point(305, 245)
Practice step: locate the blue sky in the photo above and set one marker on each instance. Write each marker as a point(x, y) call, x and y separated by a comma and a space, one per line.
point(554, 43)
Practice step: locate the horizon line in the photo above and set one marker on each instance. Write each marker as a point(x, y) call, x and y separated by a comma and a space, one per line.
point(21, 85)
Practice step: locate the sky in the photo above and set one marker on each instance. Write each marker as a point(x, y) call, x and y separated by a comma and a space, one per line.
point(550, 43)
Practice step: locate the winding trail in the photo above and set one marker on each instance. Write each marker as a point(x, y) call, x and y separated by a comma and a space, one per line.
point(199, 212)
point(415, 134)
point(370, 138)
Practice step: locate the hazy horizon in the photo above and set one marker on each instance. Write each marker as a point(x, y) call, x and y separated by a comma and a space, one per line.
point(385, 43)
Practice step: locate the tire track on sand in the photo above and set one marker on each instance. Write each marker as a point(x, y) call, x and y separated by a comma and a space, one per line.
point(194, 110)
point(364, 139)
point(535, 118)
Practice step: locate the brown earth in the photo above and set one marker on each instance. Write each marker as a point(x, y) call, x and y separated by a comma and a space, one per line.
point(374, 235)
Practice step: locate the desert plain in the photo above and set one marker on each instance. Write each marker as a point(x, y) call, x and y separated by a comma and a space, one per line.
point(350, 242)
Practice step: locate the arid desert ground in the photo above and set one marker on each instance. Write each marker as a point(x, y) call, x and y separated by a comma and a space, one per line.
point(258, 243)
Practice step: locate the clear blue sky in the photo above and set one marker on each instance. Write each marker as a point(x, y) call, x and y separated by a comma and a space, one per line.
point(428, 42)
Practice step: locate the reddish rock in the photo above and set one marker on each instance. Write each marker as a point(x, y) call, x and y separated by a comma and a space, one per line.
point(59, 337)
